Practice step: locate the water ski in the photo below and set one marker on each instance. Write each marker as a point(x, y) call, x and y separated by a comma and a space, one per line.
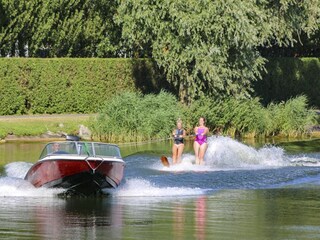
point(165, 161)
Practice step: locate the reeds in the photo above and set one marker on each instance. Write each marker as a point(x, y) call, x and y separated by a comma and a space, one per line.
point(135, 117)
point(291, 118)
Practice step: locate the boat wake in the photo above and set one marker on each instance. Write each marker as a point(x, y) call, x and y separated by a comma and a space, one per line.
point(17, 169)
point(147, 177)
point(137, 187)
point(225, 153)
point(302, 160)
point(13, 184)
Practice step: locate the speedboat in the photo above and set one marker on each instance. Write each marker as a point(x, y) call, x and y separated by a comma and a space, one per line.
point(81, 168)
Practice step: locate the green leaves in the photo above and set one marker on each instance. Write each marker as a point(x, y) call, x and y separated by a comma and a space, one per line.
point(210, 47)
point(136, 117)
point(133, 117)
point(77, 28)
point(291, 117)
point(66, 85)
point(12, 95)
point(287, 77)
point(204, 47)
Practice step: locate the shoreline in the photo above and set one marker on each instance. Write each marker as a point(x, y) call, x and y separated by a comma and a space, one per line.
point(58, 137)
point(41, 138)
point(57, 130)
point(42, 127)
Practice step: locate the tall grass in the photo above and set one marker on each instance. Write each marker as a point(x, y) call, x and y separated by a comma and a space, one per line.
point(136, 117)
point(291, 118)
point(241, 117)
point(247, 117)
point(133, 117)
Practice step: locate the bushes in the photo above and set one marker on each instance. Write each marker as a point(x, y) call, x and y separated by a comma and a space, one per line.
point(12, 100)
point(289, 77)
point(137, 117)
point(74, 85)
point(133, 117)
point(291, 117)
point(67, 85)
point(244, 116)
point(249, 117)
point(234, 116)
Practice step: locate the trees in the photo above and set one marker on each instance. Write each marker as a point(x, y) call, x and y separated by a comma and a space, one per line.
point(204, 47)
point(44, 28)
point(210, 47)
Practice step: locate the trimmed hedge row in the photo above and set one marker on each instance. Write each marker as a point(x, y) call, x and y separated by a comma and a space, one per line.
point(69, 85)
point(83, 85)
point(289, 77)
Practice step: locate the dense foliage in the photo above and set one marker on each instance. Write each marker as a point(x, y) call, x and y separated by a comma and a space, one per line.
point(68, 85)
point(83, 85)
point(75, 28)
point(204, 47)
point(291, 117)
point(247, 117)
point(211, 47)
point(134, 117)
point(289, 77)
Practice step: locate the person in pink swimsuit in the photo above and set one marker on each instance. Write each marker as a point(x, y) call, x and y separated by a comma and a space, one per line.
point(200, 143)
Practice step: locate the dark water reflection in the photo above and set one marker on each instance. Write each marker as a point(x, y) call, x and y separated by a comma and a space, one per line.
point(306, 146)
point(233, 214)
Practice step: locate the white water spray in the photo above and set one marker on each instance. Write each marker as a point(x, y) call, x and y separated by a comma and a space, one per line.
point(17, 169)
point(14, 185)
point(225, 152)
point(142, 188)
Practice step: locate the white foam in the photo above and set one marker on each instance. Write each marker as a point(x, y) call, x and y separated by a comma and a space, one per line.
point(10, 186)
point(142, 188)
point(186, 165)
point(15, 185)
point(305, 161)
point(225, 152)
point(17, 169)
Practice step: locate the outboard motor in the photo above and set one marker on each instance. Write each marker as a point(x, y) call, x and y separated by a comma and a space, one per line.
point(72, 138)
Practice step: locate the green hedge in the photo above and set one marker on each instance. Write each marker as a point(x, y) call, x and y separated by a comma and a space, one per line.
point(69, 85)
point(83, 85)
point(290, 77)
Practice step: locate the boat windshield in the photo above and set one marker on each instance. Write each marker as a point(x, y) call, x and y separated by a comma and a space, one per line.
point(81, 148)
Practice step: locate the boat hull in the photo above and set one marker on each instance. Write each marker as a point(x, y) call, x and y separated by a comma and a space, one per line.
point(84, 177)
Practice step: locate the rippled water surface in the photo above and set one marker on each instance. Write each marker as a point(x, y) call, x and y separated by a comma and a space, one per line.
point(268, 192)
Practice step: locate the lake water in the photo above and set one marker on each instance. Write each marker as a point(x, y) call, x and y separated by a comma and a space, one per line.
point(243, 192)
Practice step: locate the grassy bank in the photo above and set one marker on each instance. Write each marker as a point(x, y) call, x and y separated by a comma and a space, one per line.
point(133, 117)
point(136, 117)
point(37, 125)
